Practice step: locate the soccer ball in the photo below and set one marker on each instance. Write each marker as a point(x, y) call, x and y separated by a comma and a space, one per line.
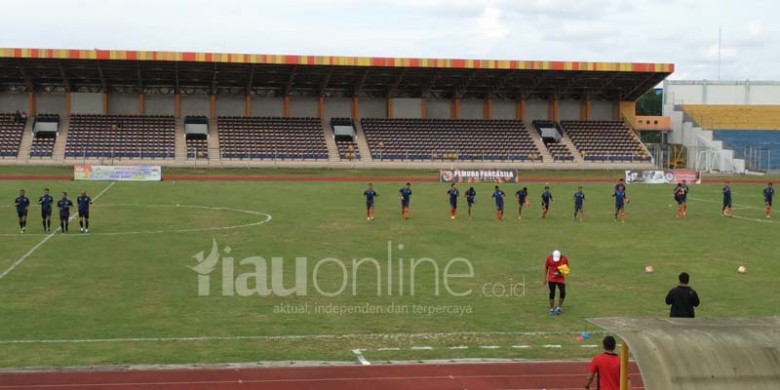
point(649, 269)
point(741, 269)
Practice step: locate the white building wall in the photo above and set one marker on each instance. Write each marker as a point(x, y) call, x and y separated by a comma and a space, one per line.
point(304, 107)
point(601, 110)
point(407, 108)
point(12, 102)
point(195, 105)
point(472, 109)
point(267, 106)
point(438, 109)
point(536, 110)
point(231, 105)
point(373, 108)
point(504, 109)
point(86, 103)
point(340, 107)
point(159, 105)
point(722, 92)
point(569, 110)
point(50, 103)
point(123, 104)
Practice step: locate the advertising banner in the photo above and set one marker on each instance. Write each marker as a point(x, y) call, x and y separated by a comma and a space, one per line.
point(478, 176)
point(118, 173)
point(671, 176)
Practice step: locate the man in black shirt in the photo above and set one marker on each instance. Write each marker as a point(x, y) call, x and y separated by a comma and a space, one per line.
point(682, 298)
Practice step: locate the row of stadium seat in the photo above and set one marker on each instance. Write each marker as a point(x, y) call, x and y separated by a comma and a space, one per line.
point(271, 138)
point(121, 136)
point(605, 141)
point(11, 130)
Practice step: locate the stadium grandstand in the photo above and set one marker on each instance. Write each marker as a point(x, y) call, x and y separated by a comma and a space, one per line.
point(182, 109)
point(726, 126)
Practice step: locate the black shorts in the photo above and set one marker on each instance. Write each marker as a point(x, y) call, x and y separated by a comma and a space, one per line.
point(64, 217)
point(84, 214)
point(561, 289)
point(768, 202)
point(545, 205)
point(369, 204)
point(727, 204)
point(404, 203)
point(577, 208)
point(454, 205)
point(470, 202)
point(21, 213)
point(678, 200)
point(45, 213)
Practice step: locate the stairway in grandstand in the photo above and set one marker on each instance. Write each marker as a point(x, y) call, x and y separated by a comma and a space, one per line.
point(27, 139)
point(62, 139)
point(180, 143)
point(362, 144)
point(546, 156)
point(333, 150)
point(213, 141)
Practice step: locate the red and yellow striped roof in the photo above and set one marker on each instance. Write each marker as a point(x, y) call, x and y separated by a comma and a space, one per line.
point(124, 55)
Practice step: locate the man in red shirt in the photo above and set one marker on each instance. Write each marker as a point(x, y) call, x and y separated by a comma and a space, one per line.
point(607, 366)
point(555, 277)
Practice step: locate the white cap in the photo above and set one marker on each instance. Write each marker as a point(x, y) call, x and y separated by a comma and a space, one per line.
point(556, 255)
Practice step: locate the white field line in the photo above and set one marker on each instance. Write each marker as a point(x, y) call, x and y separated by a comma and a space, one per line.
point(363, 336)
point(47, 238)
point(741, 207)
point(267, 219)
point(362, 359)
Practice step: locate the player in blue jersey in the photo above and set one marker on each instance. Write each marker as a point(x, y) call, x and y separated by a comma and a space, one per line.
point(679, 197)
point(726, 210)
point(22, 203)
point(453, 194)
point(769, 193)
point(499, 195)
point(406, 195)
point(83, 202)
point(522, 201)
point(471, 198)
point(46, 202)
point(579, 203)
point(547, 198)
point(370, 194)
point(620, 204)
point(64, 205)
point(685, 197)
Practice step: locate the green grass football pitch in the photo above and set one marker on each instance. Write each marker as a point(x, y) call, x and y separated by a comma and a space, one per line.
point(123, 294)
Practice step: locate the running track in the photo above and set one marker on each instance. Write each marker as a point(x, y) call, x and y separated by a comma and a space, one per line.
point(515, 376)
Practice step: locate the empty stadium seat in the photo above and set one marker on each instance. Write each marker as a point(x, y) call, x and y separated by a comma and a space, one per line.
point(605, 141)
point(11, 130)
point(449, 139)
point(272, 138)
point(734, 117)
point(121, 137)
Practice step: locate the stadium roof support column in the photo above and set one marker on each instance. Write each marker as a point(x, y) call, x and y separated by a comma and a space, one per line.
point(321, 107)
point(423, 107)
point(520, 109)
point(488, 108)
point(286, 106)
point(627, 111)
point(552, 108)
point(355, 108)
point(104, 97)
point(67, 103)
point(213, 107)
point(585, 109)
point(177, 104)
point(31, 103)
point(455, 107)
point(389, 107)
point(248, 105)
point(141, 103)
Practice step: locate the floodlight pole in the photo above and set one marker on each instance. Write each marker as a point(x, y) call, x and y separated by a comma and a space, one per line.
point(623, 365)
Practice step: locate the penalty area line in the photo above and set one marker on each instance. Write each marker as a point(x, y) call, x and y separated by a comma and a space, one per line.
point(47, 238)
point(364, 336)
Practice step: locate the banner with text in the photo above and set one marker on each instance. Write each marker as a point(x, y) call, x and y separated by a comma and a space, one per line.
point(671, 176)
point(478, 176)
point(118, 173)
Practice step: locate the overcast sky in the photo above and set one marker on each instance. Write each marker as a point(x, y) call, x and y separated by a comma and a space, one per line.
point(684, 32)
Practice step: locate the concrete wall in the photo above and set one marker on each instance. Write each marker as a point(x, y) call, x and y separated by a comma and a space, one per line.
point(339, 107)
point(12, 102)
point(303, 107)
point(373, 108)
point(504, 109)
point(406, 108)
point(159, 105)
point(196, 105)
point(86, 103)
point(722, 92)
point(123, 104)
point(231, 105)
point(472, 108)
point(267, 106)
point(438, 109)
point(50, 103)
point(535, 109)
point(601, 110)
point(568, 110)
